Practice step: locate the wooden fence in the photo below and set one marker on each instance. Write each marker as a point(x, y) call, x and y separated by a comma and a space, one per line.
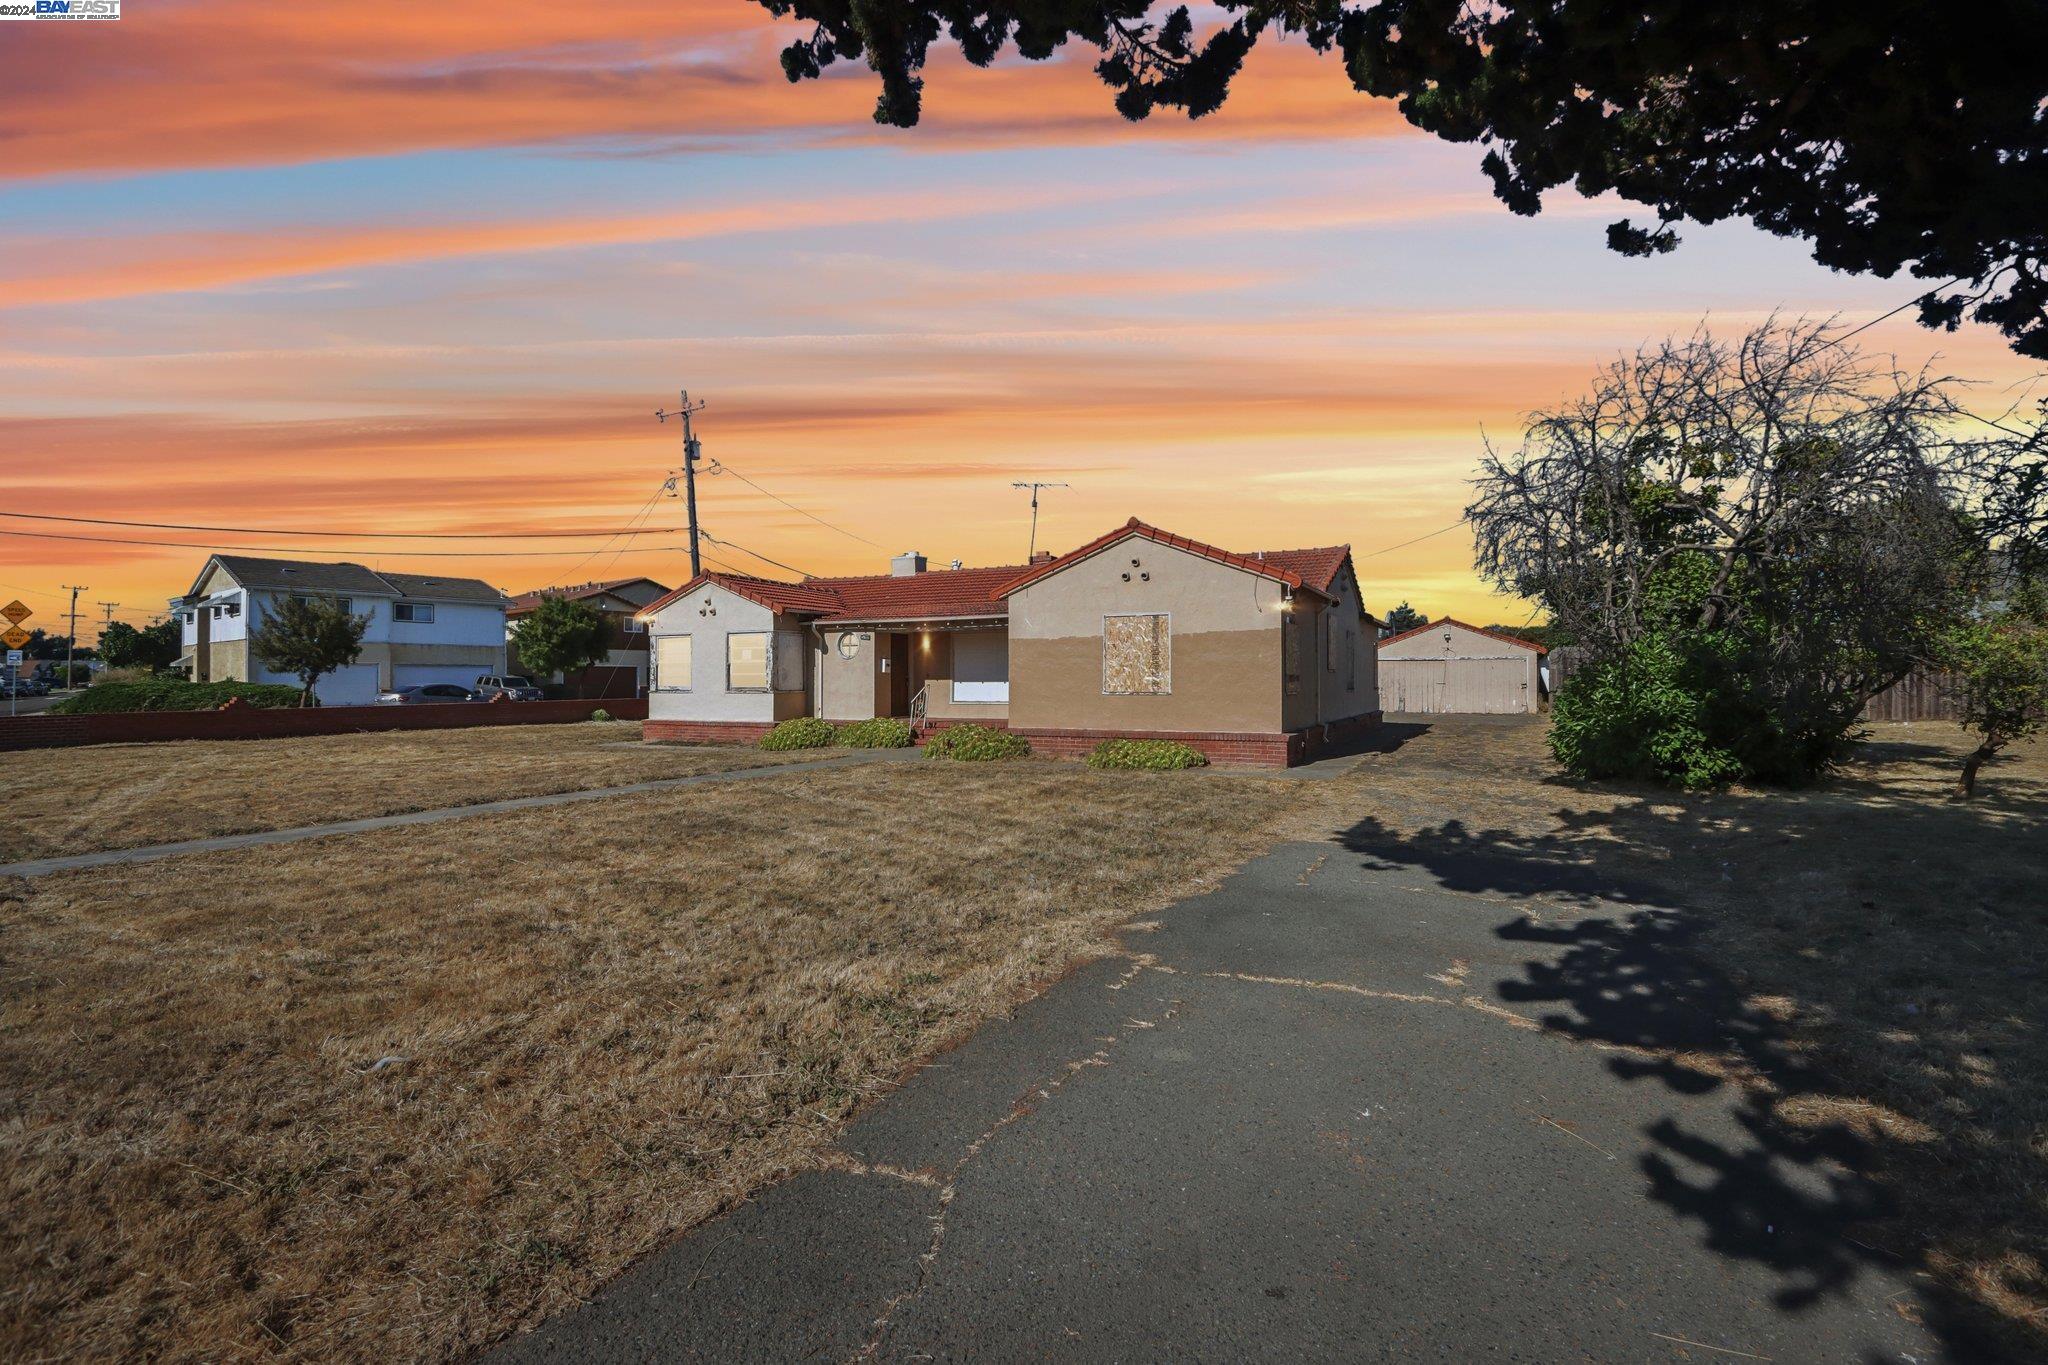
point(1919, 696)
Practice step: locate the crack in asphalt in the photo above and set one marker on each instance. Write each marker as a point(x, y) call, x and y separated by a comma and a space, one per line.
point(948, 1186)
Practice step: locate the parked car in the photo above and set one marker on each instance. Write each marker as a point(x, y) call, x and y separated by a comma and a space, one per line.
point(509, 685)
point(426, 694)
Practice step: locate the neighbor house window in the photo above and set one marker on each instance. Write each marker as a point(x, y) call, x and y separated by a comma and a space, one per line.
point(671, 663)
point(635, 626)
point(341, 602)
point(1290, 652)
point(746, 662)
point(1137, 656)
point(419, 613)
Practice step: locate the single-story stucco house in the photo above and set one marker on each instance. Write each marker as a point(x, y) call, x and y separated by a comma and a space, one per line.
point(1448, 667)
point(1265, 657)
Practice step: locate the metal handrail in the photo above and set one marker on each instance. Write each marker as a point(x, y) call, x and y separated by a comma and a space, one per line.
point(919, 705)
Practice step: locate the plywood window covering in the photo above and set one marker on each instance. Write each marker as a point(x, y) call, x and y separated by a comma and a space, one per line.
point(746, 661)
point(1137, 656)
point(1350, 660)
point(671, 663)
point(1290, 653)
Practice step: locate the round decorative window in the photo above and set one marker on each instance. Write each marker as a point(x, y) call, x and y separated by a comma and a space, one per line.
point(849, 643)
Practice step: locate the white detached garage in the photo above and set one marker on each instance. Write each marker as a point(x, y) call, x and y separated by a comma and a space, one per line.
point(1449, 667)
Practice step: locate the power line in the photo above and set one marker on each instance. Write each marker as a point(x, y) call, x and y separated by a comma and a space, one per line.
point(307, 550)
point(359, 535)
point(717, 467)
point(1416, 541)
point(735, 545)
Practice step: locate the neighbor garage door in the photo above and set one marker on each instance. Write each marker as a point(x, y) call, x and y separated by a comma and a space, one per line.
point(1447, 686)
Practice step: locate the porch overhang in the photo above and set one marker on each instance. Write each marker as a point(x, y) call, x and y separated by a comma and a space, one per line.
point(907, 623)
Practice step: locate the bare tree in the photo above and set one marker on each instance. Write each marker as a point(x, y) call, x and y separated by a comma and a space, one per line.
point(1783, 488)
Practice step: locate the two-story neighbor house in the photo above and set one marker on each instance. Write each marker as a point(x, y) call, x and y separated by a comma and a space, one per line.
point(1263, 657)
point(620, 601)
point(424, 628)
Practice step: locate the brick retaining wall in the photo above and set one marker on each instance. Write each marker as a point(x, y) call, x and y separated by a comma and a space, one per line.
point(141, 727)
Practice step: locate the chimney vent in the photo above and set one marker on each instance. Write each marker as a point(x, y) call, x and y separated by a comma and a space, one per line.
point(908, 563)
point(1042, 557)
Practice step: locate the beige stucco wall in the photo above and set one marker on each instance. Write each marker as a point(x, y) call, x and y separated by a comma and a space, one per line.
point(1225, 640)
point(227, 661)
point(1356, 637)
point(849, 689)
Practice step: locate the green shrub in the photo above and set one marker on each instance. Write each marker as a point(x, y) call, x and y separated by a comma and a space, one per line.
point(1158, 755)
point(975, 744)
point(799, 732)
point(600, 714)
point(173, 694)
point(879, 733)
point(1644, 714)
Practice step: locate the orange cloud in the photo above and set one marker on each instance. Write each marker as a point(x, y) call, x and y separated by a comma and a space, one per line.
point(241, 82)
point(76, 270)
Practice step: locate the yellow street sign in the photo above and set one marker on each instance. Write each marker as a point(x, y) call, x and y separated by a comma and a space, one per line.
point(15, 637)
point(16, 611)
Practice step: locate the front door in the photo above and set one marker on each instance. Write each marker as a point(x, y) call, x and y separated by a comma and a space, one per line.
point(899, 674)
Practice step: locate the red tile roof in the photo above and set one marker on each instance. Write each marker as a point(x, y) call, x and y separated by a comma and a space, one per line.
point(936, 594)
point(772, 593)
point(1476, 630)
point(1310, 569)
point(954, 594)
point(527, 601)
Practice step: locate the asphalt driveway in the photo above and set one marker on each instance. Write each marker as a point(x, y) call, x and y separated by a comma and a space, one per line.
point(1336, 1108)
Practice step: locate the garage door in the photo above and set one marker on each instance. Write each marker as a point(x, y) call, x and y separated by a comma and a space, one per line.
point(1455, 686)
point(352, 686)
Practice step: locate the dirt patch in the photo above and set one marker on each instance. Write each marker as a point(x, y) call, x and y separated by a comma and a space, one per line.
point(127, 795)
point(392, 1095)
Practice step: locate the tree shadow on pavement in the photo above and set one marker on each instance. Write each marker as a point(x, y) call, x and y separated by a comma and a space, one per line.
point(1745, 946)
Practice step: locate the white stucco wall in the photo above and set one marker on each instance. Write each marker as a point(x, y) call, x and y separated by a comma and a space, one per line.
point(708, 615)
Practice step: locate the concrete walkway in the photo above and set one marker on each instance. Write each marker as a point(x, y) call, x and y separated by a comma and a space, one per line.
point(1311, 1115)
point(42, 867)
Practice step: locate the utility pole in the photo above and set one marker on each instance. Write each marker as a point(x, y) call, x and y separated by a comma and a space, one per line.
point(71, 641)
point(1034, 487)
point(692, 453)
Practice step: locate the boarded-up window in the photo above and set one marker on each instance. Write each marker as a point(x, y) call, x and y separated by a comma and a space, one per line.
point(1350, 659)
point(1290, 652)
point(1137, 656)
point(746, 662)
point(672, 663)
point(788, 661)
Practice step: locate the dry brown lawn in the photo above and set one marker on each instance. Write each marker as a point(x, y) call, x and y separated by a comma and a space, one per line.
point(391, 1095)
point(1877, 951)
point(126, 795)
point(397, 1094)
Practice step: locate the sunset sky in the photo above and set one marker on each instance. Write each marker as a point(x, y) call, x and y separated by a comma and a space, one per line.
point(432, 268)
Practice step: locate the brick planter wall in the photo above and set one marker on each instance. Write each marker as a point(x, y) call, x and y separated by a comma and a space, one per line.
point(703, 731)
point(142, 727)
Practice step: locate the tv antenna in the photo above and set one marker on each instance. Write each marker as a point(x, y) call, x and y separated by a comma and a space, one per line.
point(1034, 485)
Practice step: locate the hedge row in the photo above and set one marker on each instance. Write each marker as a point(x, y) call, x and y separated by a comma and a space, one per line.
point(809, 732)
point(1157, 755)
point(976, 744)
point(173, 694)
